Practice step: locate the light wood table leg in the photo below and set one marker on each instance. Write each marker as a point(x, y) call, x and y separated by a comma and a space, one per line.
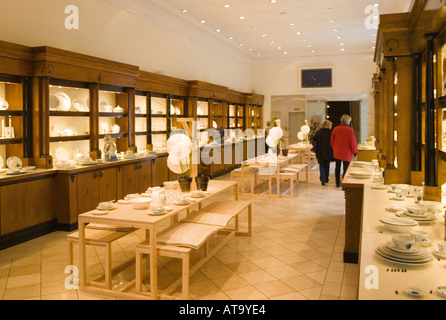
point(153, 265)
point(82, 254)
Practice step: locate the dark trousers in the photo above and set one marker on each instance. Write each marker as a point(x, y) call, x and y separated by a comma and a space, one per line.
point(338, 170)
point(324, 169)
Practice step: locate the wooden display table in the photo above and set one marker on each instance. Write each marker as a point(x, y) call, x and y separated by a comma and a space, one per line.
point(367, 155)
point(394, 278)
point(353, 189)
point(125, 216)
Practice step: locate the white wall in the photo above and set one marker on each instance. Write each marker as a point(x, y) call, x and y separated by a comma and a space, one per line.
point(109, 32)
point(352, 76)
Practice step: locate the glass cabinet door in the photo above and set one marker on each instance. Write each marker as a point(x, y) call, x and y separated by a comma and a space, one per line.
point(141, 121)
point(158, 111)
point(12, 119)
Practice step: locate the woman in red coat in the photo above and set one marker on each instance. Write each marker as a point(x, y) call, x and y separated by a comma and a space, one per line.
point(344, 146)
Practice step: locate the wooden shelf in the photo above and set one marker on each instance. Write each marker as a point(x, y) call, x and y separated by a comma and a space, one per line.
point(141, 133)
point(69, 114)
point(112, 114)
point(70, 138)
point(159, 132)
point(114, 135)
point(13, 113)
point(11, 141)
point(140, 115)
point(159, 115)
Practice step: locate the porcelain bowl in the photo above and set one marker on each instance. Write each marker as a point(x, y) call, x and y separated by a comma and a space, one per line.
point(140, 203)
point(417, 209)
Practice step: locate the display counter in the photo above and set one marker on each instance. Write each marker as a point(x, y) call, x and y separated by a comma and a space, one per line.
point(380, 279)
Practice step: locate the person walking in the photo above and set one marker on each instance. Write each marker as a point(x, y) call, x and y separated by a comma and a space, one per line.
point(344, 146)
point(323, 150)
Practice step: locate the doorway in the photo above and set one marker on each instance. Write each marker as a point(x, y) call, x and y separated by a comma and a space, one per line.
point(297, 120)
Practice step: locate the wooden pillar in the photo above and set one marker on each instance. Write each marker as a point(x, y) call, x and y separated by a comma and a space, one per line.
point(95, 153)
point(404, 123)
point(430, 172)
point(383, 119)
point(416, 118)
point(389, 113)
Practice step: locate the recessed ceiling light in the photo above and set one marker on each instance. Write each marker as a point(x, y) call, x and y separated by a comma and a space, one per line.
point(184, 10)
point(231, 37)
point(226, 5)
point(335, 30)
point(298, 33)
point(332, 20)
point(339, 37)
point(376, 4)
point(273, 1)
point(203, 21)
point(271, 42)
point(242, 17)
point(341, 44)
point(304, 40)
point(285, 52)
point(342, 49)
point(241, 44)
point(309, 46)
point(249, 49)
point(291, 24)
point(263, 35)
point(218, 30)
point(278, 48)
point(258, 54)
point(373, 47)
point(312, 51)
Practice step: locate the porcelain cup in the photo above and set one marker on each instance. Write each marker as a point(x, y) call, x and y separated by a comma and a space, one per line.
point(399, 194)
point(394, 187)
point(416, 209)
point(442, 247)
point(419, 235)
point(403, 242)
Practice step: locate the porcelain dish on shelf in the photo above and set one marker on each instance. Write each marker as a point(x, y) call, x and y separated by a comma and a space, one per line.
point(118, 109)
point(64, 101)
point(415, 256)
point(15, 171)
point(79, 105)
point(3, 104)
point(13, 162)
point(414, 291)
point(397, 224)
point(29, 168)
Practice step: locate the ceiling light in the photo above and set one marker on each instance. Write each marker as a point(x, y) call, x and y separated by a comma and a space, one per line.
point(285, 52)
point(258, 54)
point(373, 47)
point(341, 44)
point(339, 37)
point(184, 10)
point(273, 1)
point(241, 44)
point(304, 40)
point(298, 33)
point(242, 17)
point(376, 4)
point(263, 35)
point(231, 37)
point(342, 49)
point(312, 51)
point(291, 24)
point(309, 46)
point(218, 30)
point(203, 21)
point(278, 48)
point(335, 30)
point(271, 42)
point(226, 5)
point(332, 20)
point(249, 49)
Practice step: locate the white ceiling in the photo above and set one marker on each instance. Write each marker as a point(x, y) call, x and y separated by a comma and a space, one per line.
point(269, 30)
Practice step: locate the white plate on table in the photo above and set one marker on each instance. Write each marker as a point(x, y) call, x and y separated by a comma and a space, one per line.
point(438, 254)
point(14, 162)
point(99, 212)
point(182, 203)
point(414, 291)
point(441, 291)
point(4, 105)
point(157, 212)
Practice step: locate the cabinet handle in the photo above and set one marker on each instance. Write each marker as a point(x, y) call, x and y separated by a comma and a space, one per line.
point(101, 174)
point(95, 174)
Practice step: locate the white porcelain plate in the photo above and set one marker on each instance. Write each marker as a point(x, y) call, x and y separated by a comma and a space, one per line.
point(414, 291)
point(65, 101)
point(13, 162)
point(79, 105)
point(99, 212)
point(54, 102)
point(438, 254)
point(157, 212)
point(3, 104)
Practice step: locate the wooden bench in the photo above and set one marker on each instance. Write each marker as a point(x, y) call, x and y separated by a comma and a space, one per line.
point(168, 247)
point(102, 238)
point(251, 172)
point(288, 173)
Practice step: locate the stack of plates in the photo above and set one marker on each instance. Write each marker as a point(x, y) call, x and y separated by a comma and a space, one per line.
point(421, 218)
point(397, 224)
point(414, 256)
point(361, 175)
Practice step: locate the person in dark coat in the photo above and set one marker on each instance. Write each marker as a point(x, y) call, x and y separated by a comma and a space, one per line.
point(323, 150)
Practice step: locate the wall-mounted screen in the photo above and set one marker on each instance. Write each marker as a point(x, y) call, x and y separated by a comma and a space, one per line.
point(316, 78)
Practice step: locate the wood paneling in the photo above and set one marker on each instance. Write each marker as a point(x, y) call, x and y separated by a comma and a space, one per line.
point(25, 204)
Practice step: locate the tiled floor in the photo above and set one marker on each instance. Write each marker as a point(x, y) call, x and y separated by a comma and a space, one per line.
point(295, 253)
